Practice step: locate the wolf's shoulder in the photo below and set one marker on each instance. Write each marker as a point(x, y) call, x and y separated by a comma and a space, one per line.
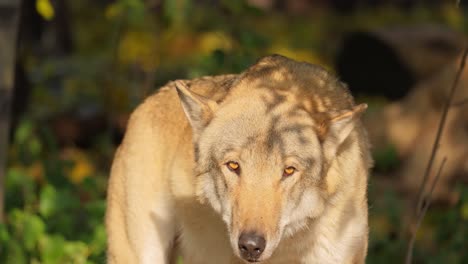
point(163, 109)
point(165, 98)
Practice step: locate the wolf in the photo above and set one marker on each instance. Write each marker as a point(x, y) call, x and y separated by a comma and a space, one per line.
point(269, 165)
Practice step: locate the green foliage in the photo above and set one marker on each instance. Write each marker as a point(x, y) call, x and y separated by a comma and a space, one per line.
point(131, 11)
point(177, 11)
point(440, 239)
point(49, 218)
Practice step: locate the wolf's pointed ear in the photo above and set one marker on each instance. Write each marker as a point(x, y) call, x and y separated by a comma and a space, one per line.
point(337, 128)
point(198, 109)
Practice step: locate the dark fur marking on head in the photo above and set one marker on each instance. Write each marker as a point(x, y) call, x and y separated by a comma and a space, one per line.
point(215, 173)
point(296, 193)
point(273, 104)
point(298, 129)
point(295, 112)
point(224, 151)
point(275, 134)
point(273, 137)
point(196, 152)
point(250, 141)
point(217, 187)
point(303, 140)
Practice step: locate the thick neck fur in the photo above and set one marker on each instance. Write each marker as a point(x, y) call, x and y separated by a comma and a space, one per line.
point(337, 232)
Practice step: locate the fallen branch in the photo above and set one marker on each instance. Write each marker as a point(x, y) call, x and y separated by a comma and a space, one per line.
point(460, 103)
point(440, 129)
point(409, 254)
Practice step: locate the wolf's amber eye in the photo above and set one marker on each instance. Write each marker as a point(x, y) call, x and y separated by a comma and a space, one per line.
point(233, 166)
point(288, 171)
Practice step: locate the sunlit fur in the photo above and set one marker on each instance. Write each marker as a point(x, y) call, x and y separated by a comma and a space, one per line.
point(173, 190)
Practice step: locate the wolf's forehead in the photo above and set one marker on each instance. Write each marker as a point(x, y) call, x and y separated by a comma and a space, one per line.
point(255, 124)
point(266, 101)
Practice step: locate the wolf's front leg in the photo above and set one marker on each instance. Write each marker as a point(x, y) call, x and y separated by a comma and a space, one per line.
point(151, 231)
point(143, 239)
point(140, 220)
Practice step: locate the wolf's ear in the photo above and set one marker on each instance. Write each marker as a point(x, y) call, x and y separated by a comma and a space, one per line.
point(337, 128)
point(198, 109)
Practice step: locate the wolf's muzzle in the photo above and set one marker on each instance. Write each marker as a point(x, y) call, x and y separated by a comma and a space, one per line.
point(251, 246)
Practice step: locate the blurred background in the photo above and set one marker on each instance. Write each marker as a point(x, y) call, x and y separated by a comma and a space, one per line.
point(72, 72)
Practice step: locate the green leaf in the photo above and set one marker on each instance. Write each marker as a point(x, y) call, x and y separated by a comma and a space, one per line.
point(176, 11)
point(28, 227)
point(55, 249)
point(14, 253)
point(16, 178)
point(48, 201)
point(252, 39)
point(19, 189)
point(464, 211)
point(33, 229)
point(95, 210)
point(4, 236)
point(76, 252)
point(98, 242)
point(52, 249)
point(136, 10)
point(24, 131)
point(235, 6)
point(35, 147)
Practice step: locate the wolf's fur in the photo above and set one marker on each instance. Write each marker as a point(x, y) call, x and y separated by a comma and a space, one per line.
point(170, 192)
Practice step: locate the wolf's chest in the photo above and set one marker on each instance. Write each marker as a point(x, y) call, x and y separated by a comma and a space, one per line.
point(202, 236)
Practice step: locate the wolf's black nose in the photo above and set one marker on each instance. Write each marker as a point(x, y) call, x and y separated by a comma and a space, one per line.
point(251, 246)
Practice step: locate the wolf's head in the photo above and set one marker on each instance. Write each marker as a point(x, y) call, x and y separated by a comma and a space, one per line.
point(262, 153)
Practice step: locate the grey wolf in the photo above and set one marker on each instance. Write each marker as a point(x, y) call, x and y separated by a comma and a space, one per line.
point(269, 165)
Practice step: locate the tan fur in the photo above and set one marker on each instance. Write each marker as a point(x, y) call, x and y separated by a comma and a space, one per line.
point(171, 193)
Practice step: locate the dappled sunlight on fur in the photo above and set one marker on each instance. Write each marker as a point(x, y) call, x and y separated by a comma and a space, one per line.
point(298, 161)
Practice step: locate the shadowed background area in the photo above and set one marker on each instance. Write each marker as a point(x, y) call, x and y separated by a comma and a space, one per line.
point(78, 68)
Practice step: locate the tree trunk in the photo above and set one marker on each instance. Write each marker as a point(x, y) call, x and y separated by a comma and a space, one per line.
point(9, 17)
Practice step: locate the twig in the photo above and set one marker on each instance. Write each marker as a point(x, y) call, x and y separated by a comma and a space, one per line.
point(440, 129)
point(409, 253)
point(460, 103)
